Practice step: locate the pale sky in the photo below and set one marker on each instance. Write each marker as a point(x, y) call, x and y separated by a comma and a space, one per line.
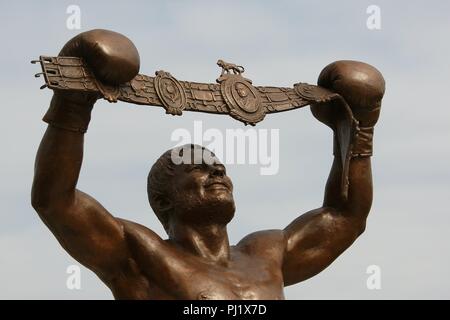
point(279, 43)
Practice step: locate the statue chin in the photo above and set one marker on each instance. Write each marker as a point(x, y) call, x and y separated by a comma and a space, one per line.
point(220, 207)
point(225, 212)
point(214, 210)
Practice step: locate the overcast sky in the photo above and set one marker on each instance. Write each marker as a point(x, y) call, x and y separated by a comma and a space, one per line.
point(279, 43)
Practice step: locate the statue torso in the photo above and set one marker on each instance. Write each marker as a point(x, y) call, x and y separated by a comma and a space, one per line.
point(160, 270)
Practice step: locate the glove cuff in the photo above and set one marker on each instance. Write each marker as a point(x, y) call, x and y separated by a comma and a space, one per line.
point(363, 142)
point(69, 114)
point(362, 145)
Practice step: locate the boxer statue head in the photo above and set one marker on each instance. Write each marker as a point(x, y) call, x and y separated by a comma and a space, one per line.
point(195, 191)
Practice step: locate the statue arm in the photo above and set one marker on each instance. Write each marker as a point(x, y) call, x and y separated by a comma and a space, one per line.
point(315, 239)
point(83, 227)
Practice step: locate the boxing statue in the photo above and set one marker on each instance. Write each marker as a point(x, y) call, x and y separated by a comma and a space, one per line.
point(194, 202)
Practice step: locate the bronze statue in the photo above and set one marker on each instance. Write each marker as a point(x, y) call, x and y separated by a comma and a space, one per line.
point(195, 202)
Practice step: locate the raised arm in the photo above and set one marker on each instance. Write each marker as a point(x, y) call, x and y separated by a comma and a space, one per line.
point(315, 239)
point(82, 226)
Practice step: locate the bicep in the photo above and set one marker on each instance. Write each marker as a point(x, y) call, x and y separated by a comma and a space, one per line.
point(314, 240)
point(89, 233)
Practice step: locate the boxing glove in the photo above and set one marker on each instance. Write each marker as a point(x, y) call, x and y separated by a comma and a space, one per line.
point(362, 87)
point(113, 59)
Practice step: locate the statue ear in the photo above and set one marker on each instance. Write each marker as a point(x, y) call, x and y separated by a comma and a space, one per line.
point(164, 204)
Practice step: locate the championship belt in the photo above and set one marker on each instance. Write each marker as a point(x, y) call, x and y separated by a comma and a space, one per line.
point(232, 94)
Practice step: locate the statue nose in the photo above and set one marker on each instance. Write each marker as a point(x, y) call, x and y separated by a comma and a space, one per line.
point(218, 171)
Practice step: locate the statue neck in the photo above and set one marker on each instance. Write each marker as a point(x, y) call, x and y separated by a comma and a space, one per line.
point(206, 241)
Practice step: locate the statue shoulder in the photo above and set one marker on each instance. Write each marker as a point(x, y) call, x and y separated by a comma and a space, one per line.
point(139, 235)
point(265, 243)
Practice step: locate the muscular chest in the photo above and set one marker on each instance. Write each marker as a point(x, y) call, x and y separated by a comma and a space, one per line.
point(243, 278)
point(175, 275)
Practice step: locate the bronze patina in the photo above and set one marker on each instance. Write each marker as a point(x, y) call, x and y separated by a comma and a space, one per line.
point(194, 202)
point(233, 95)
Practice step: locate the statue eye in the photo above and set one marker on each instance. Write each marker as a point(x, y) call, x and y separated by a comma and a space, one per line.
point(195, 167)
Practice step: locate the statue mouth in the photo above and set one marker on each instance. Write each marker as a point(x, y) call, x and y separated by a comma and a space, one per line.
point(218, 185)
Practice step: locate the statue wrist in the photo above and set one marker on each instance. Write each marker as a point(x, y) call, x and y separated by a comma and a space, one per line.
point(362, 145)
point(69, 113)
point(363, 142)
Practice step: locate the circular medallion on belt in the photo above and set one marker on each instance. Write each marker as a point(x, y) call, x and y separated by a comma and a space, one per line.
point(242, 98)
point(170, 92)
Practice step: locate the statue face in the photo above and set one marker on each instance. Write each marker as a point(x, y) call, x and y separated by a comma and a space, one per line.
point(203, 194)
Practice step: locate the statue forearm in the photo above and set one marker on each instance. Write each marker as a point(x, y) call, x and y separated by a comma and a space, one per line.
point(60, 154)
point(57, 167)
point(362, 88)
point(359, 200)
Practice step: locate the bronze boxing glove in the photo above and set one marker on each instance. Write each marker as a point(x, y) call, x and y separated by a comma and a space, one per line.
point(113, 59)
point(362, 86)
